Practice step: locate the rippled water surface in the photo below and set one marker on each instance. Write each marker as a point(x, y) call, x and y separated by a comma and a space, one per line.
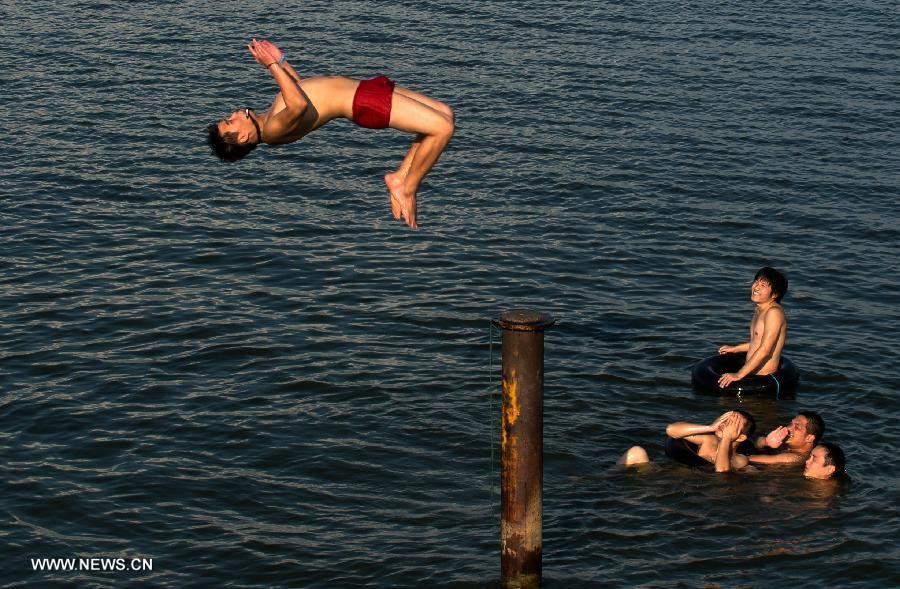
point(252, 375)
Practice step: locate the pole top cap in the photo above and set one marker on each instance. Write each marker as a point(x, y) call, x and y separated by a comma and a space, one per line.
point(524, 320)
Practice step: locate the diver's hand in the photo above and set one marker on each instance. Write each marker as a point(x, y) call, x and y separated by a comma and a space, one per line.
point(727, 349)
point(272, 49)
point(262, 54)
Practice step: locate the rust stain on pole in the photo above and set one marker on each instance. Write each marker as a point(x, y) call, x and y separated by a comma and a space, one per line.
point(522, 440)
point(510, 409)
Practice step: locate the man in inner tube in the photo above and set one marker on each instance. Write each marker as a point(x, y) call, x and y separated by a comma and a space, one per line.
point(768, 328)
point(790, 444)
point(716, 443)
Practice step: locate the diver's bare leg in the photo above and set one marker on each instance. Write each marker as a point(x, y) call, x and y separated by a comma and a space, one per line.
point(394, 180)
point(434, 127)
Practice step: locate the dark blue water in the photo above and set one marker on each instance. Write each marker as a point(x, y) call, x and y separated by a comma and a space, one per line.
point(255, 377)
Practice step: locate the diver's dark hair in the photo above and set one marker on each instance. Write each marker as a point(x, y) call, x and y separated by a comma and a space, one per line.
point(749, 423)
point(775, 279)
point(815, 425)
point(226, 146)
point(834, 457)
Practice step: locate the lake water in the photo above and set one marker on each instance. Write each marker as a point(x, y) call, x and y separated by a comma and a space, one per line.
point(255, 377)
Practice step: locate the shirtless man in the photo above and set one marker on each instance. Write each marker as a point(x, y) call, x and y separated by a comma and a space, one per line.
point(304, 105)
point(792, 443)
point(716, 443)
point(826, 461)
point(768, 328)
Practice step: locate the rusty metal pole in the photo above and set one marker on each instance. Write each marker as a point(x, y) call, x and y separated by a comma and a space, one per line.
point(522, 447)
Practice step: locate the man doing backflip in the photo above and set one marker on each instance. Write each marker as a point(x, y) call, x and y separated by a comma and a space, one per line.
point(304, 105)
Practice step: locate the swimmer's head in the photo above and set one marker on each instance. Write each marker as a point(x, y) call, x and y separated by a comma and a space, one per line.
point(749, 423)
point(775, 279)
point(825, 462)
point(814, 426)
point(234, 137)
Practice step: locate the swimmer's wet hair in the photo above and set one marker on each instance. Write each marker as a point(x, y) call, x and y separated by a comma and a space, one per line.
point(775, 279)
point(749, 423)
point(815, 425)
point(226, 146)
point(834, 457)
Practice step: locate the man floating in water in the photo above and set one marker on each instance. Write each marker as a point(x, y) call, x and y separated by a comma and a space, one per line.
point(717, 444)
point(304, 105)
point(791, 444)
point(701, 445)
point(768, 328)
point(826, 461)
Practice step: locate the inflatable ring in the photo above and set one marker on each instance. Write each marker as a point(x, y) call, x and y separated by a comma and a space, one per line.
point(706, 373)
point(680, 450)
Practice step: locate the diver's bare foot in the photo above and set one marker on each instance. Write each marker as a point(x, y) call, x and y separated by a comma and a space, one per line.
point(402, 204)
point(389, 180)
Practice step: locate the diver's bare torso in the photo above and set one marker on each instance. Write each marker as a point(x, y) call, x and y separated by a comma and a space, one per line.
point(330, 97)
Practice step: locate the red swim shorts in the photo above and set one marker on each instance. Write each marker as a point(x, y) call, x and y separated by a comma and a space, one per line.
point(372, 103)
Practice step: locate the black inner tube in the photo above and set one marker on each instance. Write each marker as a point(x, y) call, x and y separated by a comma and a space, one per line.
point(685, 452)
point(705, 377)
